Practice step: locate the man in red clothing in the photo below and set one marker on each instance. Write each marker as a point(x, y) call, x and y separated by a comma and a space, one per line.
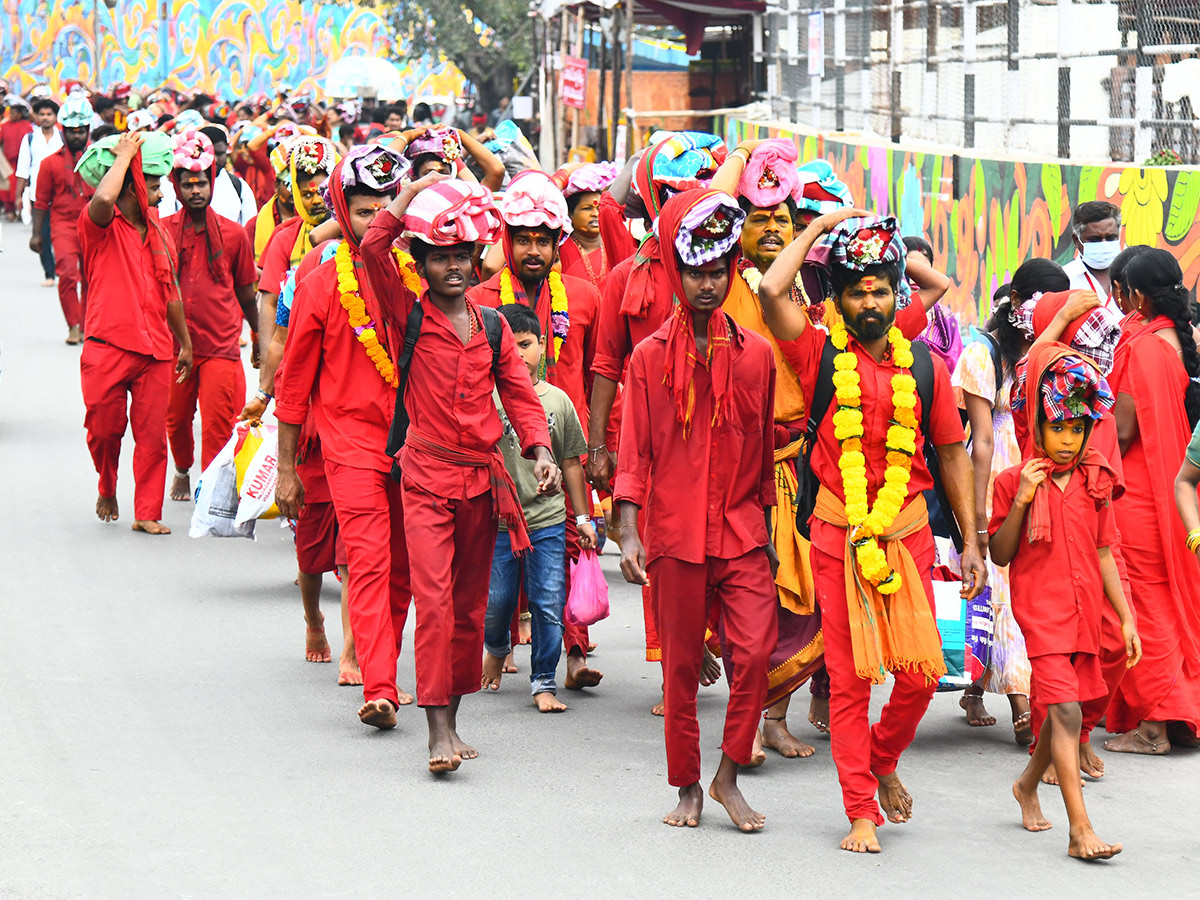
point(13, 128)
point(216, 280)
point(338, 361)
point(133, 309)
point(872, 550)
point(699, 461)
point(536, 222)
point(453, 477)
point(63, 193)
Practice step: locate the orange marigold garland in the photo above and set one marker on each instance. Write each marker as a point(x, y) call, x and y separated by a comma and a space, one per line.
point(356, 311)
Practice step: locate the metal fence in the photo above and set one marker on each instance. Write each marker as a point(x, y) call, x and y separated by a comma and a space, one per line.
point(1077, 79)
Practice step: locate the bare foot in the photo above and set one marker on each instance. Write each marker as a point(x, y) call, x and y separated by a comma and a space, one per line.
point(548, 703)
point(687, 813)
point(977, 715)
point(1148, 738)
point(895, 799)
point(405, 698)
point(818, 717)
point(106, 509)
point(493, 671)
point(510, 665)
point(1031, 808)
point(378, 713)
point(181, 487)
point(524, 628)
point(659, 708)
point(462, 749)
point(1085, 845)
point(591, 646)
point(710, 671)
point(316, 647)
point(757, 755)
point(579, 676)
point(730, 797)
point(147, 526)
point(1050, 776)
point(1023, 730)
point(861, 838)
point(1089, 763)
point(48, 282)
point(74, 335)
point(775, 735)
point(350, 674)
point(442, 757)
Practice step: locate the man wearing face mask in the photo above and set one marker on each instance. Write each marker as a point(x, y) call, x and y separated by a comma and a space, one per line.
point(1096, 232)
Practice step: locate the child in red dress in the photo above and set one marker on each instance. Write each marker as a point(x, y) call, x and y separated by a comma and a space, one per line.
point(1053, 525)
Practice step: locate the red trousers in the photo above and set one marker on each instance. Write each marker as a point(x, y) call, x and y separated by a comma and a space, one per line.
point(450, 551)
point(122, 388)
point(219, 387)
point(371, 519)
point(68, 258)
point(684, 598)
point(860, 751)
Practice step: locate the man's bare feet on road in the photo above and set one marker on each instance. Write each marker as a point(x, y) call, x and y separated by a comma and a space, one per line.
point(659, 708)
point(758, 756)
point(775, 735)
point(405, 698)
point(181, 487)
point(687, 813)
point(1149, 739)
point(977, 714)
point(729, 795)
point(149, 526)
point(1089, 763)
point(1050, 776)
point(106, 509)
point(316, 646)
point(461, 748)
point(1031, 808)
point(895, 799)
point(493, 671)
point(510, 664)
point(818, 715)
point(579, 676)
point(861, 838)
point(548, 703)
point(380, 714)
point(349, 674)
point(710, 670)
point(442, 757)
point(1085, 845)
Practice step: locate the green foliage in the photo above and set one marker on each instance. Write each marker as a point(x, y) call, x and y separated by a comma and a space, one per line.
point(1164, 156)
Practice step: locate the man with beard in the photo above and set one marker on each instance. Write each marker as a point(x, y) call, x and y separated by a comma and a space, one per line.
point(39, 143)
point(62, 194)
point(883, 398)
point(232, 197)
point(216, 280)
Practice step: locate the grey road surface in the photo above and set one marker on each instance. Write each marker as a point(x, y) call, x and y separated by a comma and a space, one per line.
point(161, 735)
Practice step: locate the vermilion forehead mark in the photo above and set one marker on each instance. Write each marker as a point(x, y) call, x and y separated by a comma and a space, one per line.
point(868, 283)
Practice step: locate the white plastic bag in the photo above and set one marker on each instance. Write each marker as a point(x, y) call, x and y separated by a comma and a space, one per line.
point(217, 494)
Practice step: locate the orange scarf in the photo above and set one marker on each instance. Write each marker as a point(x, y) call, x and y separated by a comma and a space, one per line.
point(888, 633)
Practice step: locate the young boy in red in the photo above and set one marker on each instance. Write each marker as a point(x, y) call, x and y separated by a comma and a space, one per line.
point(216, 280)
point(1053, 525)
point(453, 480)
point(698, 458)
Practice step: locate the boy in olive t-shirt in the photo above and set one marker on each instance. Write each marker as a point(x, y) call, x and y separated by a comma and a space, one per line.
point(544, 566)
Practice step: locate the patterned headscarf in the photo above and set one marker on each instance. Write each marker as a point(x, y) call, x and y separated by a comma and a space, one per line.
point(819, 190)
point(193, 152)
point(375, 166)
point(858, 243)
point(140, 120)
point(591, 178)
point(770, 176)
point(533, 201)
point(1095, 335)
point(76, 112)
point(710, 229)
point(188, 120)
point(452, 212)
point(442, 142)
point(313, 156)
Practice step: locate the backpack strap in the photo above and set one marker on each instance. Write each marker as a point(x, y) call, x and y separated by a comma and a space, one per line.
point(997, 363)
point(807, 485)
point(412, 330)
point(491, 327)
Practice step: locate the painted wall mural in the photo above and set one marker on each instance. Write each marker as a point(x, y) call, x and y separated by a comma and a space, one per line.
point(985, 217)
point(228, 47)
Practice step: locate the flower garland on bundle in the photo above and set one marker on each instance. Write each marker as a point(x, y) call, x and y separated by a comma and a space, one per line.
point(560, 318)
point(356, 311)
point(753, 277)
point(866, 524)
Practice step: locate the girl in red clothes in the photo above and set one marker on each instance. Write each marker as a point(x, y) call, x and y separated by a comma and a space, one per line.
point(1053, 525)
point(1158, 403)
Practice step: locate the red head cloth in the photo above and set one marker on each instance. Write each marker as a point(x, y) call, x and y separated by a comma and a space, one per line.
point(532, 200)
point(193, 152)
point(681, 357)
point(162, 248)
point(452, 212)
point(770, 177)
point(1100, 479)
point(1096, 334)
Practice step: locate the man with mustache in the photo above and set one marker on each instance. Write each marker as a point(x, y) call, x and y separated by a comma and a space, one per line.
point(883, 398)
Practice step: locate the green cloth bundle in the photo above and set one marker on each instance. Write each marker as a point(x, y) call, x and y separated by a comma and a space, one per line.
point(157, 155)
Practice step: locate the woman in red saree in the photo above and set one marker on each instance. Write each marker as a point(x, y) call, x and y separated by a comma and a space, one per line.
point(1158, 403)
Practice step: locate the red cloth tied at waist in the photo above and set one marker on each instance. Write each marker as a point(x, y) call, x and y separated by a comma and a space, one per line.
point(506, 505)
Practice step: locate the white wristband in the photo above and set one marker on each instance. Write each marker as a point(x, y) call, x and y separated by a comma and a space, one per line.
point(582, 520)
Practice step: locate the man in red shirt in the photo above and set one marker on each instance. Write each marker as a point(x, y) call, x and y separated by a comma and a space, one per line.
point(699, 460)
point(338, 362)
point(453, 477)
point(13, 128)
point(872, 550)
point(536, 222)
point(133, 309)
point(216, 280)
point(63, 193)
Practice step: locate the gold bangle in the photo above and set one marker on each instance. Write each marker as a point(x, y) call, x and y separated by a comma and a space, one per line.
point(1193, 540)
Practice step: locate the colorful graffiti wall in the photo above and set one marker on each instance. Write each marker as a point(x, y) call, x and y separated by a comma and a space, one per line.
point(227, 47)
point(985, 217)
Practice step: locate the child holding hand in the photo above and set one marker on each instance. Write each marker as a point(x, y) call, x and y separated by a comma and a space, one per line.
point(1053, 525)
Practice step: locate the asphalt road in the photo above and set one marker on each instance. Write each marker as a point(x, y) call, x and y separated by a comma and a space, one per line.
point(161, 735)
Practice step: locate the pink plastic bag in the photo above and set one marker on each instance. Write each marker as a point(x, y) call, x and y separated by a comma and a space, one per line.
point(588, 603)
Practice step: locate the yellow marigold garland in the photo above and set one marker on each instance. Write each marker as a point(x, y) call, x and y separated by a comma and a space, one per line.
point(867, 524)
point(559, 315)
point(356, 312)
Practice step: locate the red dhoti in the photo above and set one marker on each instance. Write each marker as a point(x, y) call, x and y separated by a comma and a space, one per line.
point(68, 256)
point(684, 596)
point(123, 388)
point(218, 386)
point(371, 521)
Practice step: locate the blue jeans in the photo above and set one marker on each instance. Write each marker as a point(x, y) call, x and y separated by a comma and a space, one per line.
point(546, 589)
point(47, 255)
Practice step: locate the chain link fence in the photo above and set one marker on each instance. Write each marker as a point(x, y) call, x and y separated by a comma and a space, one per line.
point(1078, 79)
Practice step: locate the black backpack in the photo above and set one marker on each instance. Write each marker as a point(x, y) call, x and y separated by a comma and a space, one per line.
point(941, 518)
point(412, 330)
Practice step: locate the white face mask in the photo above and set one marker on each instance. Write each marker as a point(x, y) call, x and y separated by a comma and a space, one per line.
point(1099, 255)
